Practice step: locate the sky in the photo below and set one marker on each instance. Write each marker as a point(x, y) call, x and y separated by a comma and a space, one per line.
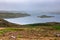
point(27, 1)
point(32, 4)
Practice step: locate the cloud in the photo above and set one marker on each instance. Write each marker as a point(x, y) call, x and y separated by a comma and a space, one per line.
point(26, 1)
point(32, 4)
point(13, 1)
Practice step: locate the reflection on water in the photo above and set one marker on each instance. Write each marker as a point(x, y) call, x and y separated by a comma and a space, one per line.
point(34, 19)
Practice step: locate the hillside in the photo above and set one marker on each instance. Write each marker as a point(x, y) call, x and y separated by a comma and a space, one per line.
point(4, 23)
point(46, 24)
point(12, 14)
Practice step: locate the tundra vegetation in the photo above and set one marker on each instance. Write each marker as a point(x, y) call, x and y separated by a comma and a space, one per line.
point(36, 31)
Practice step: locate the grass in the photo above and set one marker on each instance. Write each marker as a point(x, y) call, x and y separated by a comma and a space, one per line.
point(9, 30)
point(53, 25)
point(30, 27)
point(27, 27)
point(56, 27)
point(31, 30)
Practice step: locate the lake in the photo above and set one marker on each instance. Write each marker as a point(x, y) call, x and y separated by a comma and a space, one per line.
point(35, 9)
point(34, 19)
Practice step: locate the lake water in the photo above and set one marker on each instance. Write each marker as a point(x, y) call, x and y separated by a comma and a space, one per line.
point(34, 19)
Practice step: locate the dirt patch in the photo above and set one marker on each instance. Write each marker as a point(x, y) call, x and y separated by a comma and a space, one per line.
point(1, 28)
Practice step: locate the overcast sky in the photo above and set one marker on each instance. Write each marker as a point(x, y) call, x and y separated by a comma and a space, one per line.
point(29, 4)
point(26, 1)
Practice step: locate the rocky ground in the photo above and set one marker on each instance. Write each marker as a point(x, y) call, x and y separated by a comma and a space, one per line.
point(31, 34)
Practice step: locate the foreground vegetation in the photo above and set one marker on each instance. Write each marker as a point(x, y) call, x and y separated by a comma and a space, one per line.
point(30, 33)
point(38, 31)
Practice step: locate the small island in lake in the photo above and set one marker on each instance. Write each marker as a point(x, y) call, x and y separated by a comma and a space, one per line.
point(45, 16)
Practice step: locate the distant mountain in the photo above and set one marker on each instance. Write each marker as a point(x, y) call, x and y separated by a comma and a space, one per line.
point(9, 14)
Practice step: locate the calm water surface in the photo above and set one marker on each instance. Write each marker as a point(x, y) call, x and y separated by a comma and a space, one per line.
point(34, 19)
